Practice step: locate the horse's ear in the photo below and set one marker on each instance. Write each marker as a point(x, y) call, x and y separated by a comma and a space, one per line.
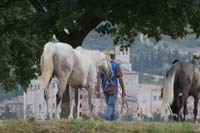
point(108, 57)
point(105, 52)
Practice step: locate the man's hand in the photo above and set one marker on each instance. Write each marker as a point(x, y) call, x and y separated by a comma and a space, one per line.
point(98, 94)
point(123, 93)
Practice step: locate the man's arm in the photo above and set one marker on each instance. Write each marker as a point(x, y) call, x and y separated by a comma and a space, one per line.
point(121, 82)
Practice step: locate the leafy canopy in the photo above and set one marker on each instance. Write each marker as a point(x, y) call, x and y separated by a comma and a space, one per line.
point(25, 26)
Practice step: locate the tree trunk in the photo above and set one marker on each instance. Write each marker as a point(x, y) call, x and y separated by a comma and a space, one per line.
point(75, 39)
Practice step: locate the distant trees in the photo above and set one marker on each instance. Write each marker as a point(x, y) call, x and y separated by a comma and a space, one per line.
point(155, 61)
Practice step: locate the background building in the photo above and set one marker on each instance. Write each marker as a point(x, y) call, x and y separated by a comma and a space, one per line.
point(12, 108)
point(34, 102)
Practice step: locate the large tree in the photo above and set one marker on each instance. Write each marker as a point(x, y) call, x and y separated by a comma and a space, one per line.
point(25, 26)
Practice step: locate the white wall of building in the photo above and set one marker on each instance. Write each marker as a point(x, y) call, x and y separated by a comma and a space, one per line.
point(34, 102)
point(149, 98)
point(15, 104)
point(130, 77)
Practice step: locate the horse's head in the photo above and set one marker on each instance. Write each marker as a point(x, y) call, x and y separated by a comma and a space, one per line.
point(106, 67)
point(196, 61)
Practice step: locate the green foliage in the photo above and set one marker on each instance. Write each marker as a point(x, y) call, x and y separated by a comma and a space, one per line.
point(31, 119)
point(156, 117)
point(85, 117)
point(128, 117)
point(25, 27)
point(8, 95)
point(20, 48)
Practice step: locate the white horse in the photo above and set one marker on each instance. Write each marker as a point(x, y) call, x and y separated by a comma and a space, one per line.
point(76, 67)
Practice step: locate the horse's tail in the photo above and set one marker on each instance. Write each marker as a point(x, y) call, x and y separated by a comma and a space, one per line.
point(46, 64)
point(168, 87)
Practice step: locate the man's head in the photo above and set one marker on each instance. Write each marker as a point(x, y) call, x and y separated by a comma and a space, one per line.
point(111, 52)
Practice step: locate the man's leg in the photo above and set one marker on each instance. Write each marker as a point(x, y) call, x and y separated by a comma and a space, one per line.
point(112, 98)
point(106, 95)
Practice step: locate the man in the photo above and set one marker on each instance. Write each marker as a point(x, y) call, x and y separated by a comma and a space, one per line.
point(110, 88)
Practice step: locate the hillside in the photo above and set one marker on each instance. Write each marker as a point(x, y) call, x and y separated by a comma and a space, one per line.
point(154, 59)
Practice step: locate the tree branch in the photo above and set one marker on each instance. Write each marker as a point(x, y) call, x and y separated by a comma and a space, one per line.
point(75, 38)
point(38, 5)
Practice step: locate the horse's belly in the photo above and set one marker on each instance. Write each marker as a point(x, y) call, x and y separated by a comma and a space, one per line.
point(76, 81)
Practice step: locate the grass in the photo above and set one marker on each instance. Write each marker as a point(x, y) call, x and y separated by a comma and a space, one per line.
point(94, 126)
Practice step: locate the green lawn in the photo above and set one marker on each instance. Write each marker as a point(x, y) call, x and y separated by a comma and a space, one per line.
point(94, 126)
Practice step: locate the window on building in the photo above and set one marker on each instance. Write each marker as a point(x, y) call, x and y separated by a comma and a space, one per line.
point(54, 115)
point(53, 105)
point(40, 106)
point(165, 111)
point(35, 87)
point(145, 101)
point(159, 97)
point(154, 98)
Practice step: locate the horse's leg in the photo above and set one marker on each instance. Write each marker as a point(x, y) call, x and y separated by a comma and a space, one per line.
point(46, 97)
point(57, 103)
point(59, 96)
point(195, 111)
point(46, 78)
point(72, 101)
point(62, 86)
point(185, 111)
point(46, 81)
point(181, 114)
point(90, 88)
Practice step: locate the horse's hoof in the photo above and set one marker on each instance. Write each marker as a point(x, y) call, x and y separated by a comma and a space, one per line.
point(57, 118)
point(47, 117)
point(70, 117)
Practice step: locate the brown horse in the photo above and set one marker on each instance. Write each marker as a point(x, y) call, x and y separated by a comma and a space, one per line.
point(183, 80)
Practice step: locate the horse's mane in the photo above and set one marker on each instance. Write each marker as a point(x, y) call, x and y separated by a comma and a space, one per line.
point(87, 50)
